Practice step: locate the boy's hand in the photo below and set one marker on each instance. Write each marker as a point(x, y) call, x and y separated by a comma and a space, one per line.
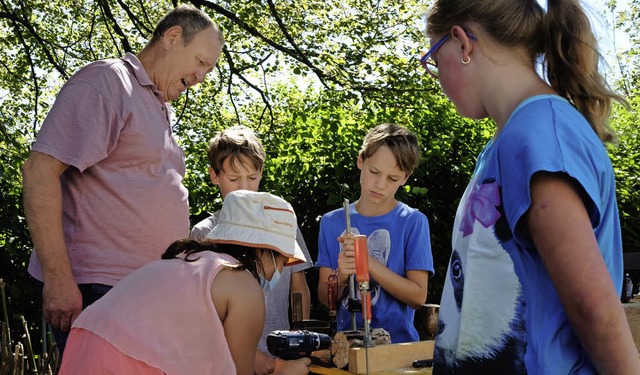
point(346, 258)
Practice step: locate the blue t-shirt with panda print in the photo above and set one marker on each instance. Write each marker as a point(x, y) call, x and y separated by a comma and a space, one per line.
point(500, 312)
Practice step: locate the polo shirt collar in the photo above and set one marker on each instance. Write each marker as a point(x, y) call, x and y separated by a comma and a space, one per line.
point(138, 70)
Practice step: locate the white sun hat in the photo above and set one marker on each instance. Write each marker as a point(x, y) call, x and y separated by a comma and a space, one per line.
point(261, 220)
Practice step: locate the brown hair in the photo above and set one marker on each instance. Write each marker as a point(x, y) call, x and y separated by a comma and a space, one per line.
point(234, 143)
point(563, 35)
point(401, 141)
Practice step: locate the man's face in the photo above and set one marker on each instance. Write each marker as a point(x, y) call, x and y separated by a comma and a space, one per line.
point(188, 65)
point(241, 175)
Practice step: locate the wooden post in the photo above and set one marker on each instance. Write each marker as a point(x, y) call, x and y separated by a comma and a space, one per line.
point(426, 321)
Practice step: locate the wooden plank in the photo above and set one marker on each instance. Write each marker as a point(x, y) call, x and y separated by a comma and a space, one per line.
point(633, 317)
point(389, 357)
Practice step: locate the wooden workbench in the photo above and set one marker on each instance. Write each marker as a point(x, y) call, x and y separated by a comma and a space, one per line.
point(632, 311)
point(336, 371)
point(384, 360)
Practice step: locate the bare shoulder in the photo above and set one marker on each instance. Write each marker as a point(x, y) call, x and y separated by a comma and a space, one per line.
point(231, 283)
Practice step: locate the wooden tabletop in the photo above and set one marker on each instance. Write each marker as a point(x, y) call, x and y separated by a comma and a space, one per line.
point(632, 311)
point(336, 371)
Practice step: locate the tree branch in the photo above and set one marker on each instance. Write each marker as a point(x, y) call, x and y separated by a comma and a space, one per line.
point(136, 21)
point(41, 42)
point(302, 58)
point(254, 32)
point(106, 10)
point(232, 71)
point(32, 66)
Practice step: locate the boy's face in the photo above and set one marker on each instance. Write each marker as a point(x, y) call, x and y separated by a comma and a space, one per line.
point(380, 178)
point(241, 175)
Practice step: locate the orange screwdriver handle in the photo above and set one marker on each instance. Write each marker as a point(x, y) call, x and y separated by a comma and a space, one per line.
point(362, 258)
point(366, 305)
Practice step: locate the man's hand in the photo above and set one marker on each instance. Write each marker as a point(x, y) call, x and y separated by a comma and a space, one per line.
point(61, 303)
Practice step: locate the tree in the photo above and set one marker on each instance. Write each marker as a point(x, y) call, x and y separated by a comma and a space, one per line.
point(310, 76)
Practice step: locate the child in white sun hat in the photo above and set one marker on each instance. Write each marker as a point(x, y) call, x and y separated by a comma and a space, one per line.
point(259, 220)
point(194, 311)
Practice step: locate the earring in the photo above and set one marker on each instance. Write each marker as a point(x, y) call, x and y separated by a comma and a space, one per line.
point(465, 62)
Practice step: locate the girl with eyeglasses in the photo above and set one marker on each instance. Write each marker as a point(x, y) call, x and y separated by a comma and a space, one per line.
point(536, 269)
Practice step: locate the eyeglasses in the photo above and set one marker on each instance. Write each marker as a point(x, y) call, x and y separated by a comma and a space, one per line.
point(427, 62)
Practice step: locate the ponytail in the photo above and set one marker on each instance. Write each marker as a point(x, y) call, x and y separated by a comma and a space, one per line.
point(571, 61)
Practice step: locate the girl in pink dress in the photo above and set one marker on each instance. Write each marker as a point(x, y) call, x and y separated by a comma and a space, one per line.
point(199, 309)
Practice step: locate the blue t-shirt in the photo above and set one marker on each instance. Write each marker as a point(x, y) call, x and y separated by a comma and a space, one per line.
point(400, 241)
point(500, 312)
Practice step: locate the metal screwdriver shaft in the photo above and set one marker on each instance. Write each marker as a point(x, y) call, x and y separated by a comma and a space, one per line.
point(352, 291)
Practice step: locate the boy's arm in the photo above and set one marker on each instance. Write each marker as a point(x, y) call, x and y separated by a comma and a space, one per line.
point(411, 290)
point(299, 285)
point(323, 275)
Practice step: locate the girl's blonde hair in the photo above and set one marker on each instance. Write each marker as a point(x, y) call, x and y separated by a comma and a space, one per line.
point(562, 36)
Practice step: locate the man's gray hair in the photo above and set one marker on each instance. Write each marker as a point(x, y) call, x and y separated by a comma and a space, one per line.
point(191, 19)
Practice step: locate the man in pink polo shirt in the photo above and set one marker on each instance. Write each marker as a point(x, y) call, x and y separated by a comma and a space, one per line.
point(103, 190)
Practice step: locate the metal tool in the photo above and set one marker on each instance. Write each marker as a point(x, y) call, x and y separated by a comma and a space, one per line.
point(352, 288)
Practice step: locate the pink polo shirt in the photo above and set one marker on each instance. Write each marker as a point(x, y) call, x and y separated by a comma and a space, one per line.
point(123, 198)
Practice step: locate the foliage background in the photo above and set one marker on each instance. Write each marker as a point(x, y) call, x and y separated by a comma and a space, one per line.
point(310, 76)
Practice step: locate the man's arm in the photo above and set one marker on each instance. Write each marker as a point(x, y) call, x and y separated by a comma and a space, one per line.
point(61, 298)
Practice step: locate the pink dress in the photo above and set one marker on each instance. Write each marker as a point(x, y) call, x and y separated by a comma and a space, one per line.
point(92, 354)
point(159, 319)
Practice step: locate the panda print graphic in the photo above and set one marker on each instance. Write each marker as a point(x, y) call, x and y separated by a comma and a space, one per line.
point(480, 328)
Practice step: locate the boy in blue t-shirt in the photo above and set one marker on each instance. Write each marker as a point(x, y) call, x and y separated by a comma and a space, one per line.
point(400, 259)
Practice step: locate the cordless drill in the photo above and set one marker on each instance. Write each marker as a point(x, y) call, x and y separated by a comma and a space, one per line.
point(296, 344)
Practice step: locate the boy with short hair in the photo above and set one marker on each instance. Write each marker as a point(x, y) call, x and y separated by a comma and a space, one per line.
point(400, 259)
point(236, 159)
